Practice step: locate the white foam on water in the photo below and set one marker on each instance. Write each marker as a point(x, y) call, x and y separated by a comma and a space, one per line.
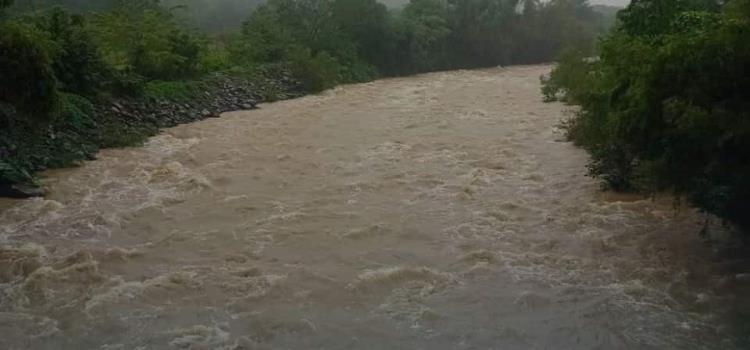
point(393, 276)
point(440, 211)
point(123, 291)
point(200, 336)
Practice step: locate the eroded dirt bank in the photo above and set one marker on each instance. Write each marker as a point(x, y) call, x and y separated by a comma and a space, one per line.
point(433, 212)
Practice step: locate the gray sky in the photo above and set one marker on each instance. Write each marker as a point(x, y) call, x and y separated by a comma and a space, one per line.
point(611, 2)
point(622, 3)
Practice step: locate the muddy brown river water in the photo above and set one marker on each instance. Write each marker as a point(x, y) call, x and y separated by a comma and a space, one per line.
point(441, 211)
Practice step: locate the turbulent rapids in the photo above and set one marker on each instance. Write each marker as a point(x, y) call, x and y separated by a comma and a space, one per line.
point(442, 211)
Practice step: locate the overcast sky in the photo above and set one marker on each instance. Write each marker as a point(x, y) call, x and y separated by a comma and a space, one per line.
point(611, 2)
point(621, 3)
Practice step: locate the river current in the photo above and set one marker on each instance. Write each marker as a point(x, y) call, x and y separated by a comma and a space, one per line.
point(440, 211)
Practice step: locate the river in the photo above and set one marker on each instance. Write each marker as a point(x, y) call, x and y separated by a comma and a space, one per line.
point(440, 211)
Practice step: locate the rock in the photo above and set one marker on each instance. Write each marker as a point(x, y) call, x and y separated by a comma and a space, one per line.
point(21, 191)
point(742, 277)
point(247, 106)
point(206, 113)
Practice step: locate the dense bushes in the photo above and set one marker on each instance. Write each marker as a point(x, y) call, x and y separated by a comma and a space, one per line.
point(667, 104)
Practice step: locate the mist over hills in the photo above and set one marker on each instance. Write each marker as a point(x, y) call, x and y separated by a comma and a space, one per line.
point(620, 3)
point(227, 15)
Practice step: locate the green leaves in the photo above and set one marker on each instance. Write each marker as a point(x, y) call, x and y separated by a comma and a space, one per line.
point(678, 117)
point(311, 37)
point(28, 80)
point(146, 41)
point(13, 174)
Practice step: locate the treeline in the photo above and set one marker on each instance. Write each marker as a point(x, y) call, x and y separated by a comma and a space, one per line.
point(209, 15)
point(423, 35)
point(59, 65)
point(426, 35)
point(666, 102)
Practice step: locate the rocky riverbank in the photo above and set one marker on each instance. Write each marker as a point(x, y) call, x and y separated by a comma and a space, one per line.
point(216, 95)
point(84, 127)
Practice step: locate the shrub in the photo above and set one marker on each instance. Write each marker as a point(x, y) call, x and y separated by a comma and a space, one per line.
point(315, 72)
point(125, 83)
point(182, 91)
point(570, 81)
point(214, 59)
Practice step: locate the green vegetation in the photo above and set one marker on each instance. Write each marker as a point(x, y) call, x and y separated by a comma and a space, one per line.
point(66, 62)
point(666, 105)
point(57, 66)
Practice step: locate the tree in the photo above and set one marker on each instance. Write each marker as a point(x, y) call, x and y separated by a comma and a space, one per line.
point(423, 31)
point(650, 17)
point(365, 22)
point(78, 65)
point(29, 83)
point(142, 37)
point(263, 39)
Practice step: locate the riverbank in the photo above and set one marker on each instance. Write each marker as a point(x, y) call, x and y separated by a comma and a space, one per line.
point(86, 126)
